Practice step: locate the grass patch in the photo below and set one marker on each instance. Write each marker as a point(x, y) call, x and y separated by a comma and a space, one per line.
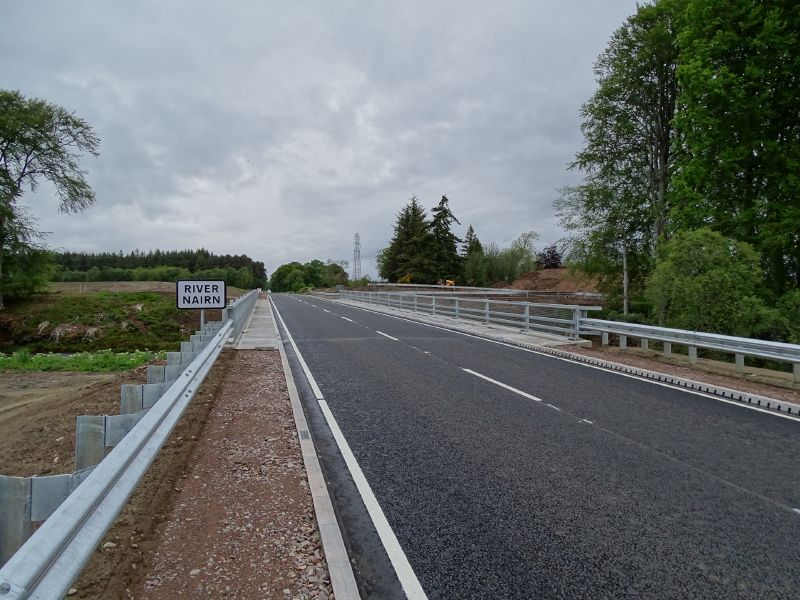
point(104, 360)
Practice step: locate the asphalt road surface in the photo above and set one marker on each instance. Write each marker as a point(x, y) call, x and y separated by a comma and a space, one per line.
point(504, 473)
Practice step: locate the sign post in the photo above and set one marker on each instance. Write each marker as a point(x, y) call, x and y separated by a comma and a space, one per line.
point(202, 294)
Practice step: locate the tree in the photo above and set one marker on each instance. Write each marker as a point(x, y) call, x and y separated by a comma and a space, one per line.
point(281, 281)
point(549, 258)
point(471, 243)
point(739, 124)
point(443, 250)
point(706, 282)
point(509, 263)
point(40, 140)
point(407, 253)
point(620, 213)
point(475, 267)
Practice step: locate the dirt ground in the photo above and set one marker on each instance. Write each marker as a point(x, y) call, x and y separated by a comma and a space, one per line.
point(38, 411)
point(555, 280)
point(75, 287)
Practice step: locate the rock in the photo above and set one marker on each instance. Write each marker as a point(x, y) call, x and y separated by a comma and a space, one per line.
point(109, 545)
point(72, 592)
point(194, 572)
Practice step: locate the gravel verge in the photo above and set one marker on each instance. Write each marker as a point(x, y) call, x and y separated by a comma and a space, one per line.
point(226, 510)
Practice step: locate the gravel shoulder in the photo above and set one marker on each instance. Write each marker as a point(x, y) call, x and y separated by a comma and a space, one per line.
point(225, 511)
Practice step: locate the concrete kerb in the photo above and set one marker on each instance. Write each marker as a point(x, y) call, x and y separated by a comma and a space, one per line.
point(765, 402)
point(341, 572)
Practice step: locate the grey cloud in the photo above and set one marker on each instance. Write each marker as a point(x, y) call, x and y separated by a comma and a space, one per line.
point(280, 129)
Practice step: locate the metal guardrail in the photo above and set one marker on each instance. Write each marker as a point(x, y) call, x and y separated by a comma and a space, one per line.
point(480, 291)
point(557, 319)
point(53, 556)
point(738, 346)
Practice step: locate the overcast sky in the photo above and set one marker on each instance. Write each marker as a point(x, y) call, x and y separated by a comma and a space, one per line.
point(280, 129)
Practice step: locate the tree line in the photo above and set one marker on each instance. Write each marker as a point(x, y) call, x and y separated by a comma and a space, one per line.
point(297, 277)
point(159, 265)
point(425, 250)
point(689, 208)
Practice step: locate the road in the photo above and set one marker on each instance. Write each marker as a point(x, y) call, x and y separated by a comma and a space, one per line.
point(504, 473)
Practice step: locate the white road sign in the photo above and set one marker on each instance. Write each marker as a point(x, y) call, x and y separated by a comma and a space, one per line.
point(201, 294)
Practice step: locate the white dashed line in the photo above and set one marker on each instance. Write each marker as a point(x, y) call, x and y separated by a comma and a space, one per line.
point(346, 319)
point(552, 406)
point(797, 510)
point(313, 305)
point(503, 385)
point(325, 310)
point(387, 335)
point(587, 421)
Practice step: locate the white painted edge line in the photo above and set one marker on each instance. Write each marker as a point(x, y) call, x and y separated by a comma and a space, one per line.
point(339, 567)
point(386, 335)
point(503, 385)
point(405, 574)
point(408, 579)
point(610, 369)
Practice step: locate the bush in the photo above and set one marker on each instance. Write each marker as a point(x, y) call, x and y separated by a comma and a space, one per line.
point(705, 282)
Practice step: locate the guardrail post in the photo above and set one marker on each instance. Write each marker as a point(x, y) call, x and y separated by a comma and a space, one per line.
point(667, 348)
point(645, 344)
point(692, 354)
point(15, 518)
point(604, 338)
point(576, 323)
point(433, 305)
point(623, 342)
point(486, 310)
point(456, 299)
point(415, 301)
point(796, 372)
point(739, 358)
point(527, 317)
point(90, 447)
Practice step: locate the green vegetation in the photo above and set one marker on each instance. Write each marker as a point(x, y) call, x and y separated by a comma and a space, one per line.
point(159, 265)
point(104, 360)
point(117, 321)
point(296, 277)
point(694, 128)
point(38, 141)
point(705, 282)
point(426, 251)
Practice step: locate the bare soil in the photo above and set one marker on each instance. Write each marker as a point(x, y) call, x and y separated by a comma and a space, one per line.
point(555, 280)
point(38, 411)
point(76, 287)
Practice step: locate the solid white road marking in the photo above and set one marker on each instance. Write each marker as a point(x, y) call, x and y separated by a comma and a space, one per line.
point(408, 579)
point(387, 335)
point(503, 385)
point(552, 406)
